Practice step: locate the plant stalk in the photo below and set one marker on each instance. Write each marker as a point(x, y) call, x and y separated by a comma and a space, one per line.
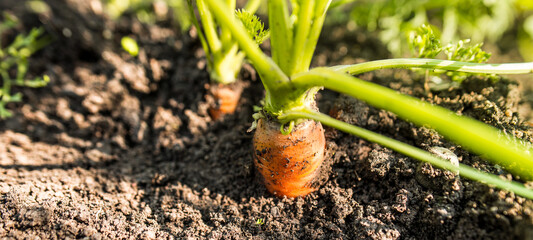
point(271, 74)
point(413, 152)
point(302, 28)
point(280, 33)
point(513, 154)
point(409, 63)
point(252, 6)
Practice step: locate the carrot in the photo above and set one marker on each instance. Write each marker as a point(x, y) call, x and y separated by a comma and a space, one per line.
point(226, 99)
point(289, 164)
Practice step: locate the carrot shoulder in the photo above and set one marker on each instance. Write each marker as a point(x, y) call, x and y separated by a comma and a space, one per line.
point(289, 164)
point(226, 99)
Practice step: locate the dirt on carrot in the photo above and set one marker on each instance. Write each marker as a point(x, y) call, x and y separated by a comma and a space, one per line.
point(289, 164)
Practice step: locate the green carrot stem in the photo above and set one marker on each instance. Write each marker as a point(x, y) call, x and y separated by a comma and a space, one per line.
point(413, 152)
point(280, 33)
point(252, 6)
point(503, 68)
point(270, 73)
point(209, 25)
point(203, 40)
point(225, 34)
point(6, 88)
point(302, 28)
point(314, 33)
point(513, 154)
point(338, 3)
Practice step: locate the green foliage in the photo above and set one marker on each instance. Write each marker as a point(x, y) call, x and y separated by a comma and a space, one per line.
point(130, 45)
point(254, 26)
point(479, 20)
point(180, 13)
point(337, 3)
point(149, 11)
point(525, 37)
point(14, 62)
point(115, 8)
point(463, 53)
point(38, 6)
point(297, 30)
point(425, 41)
point(427, 45)
point(290, 91)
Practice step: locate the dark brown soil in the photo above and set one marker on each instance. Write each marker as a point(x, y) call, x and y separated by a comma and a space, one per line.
point(122, 147)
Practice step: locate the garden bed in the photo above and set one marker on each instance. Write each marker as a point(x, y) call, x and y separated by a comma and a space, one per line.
point(123, 147)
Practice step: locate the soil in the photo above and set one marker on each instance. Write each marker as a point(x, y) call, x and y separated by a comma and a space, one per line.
point(123, 147)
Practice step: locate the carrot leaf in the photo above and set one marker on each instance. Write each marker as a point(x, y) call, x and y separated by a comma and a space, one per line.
point(252, 24)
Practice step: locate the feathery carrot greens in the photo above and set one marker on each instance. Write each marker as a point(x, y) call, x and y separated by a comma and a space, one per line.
point(15, 56)
point(427, 45)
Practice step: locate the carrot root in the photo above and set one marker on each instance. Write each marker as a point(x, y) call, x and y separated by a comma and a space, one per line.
point(226, 100)
point(289, 164)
